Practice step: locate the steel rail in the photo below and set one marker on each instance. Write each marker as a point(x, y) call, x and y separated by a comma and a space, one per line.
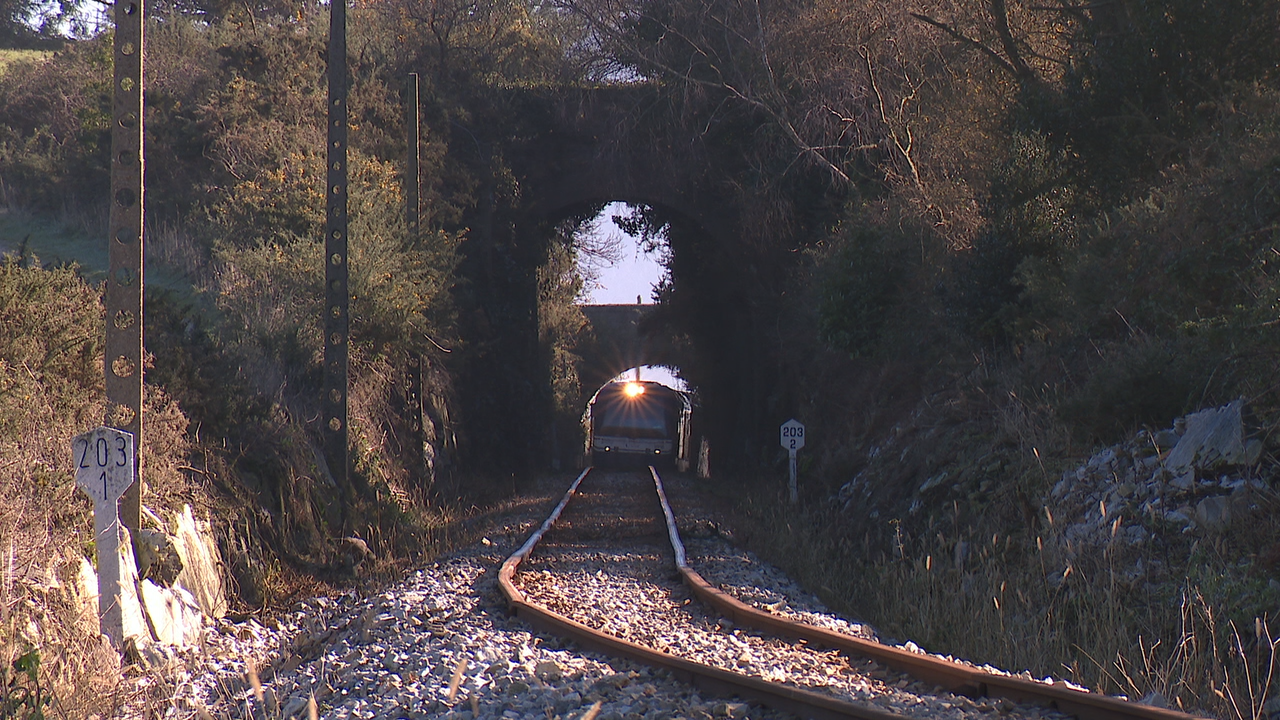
point(952, 676)
point(955, 677)
point(712, 680)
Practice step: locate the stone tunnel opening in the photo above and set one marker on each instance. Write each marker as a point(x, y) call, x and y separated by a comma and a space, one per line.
point(621, 270)
point(666, 375)
point(644, 416)
point(527, 376)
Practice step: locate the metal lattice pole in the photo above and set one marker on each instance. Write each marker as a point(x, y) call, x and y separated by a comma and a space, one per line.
point(413, 361)
point(123, 356)
point(414, 141)
point(337, 296)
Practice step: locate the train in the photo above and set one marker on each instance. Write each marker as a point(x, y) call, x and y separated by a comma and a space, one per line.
point(639, 423)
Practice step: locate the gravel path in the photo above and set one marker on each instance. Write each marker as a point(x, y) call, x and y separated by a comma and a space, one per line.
point(743, 576)
point(394, 654)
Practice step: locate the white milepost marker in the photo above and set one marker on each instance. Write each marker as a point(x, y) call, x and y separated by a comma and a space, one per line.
point(103, 459)
point(792, 440)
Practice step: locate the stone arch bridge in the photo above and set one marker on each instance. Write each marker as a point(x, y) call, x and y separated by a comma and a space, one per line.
point(571, 150)
point(621, 339)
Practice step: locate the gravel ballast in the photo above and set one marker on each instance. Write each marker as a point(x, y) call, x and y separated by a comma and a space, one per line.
point(440, 643)
point(623, 582)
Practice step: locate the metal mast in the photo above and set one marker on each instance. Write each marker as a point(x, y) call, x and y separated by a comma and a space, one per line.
point(123, 356)
point(413, 362)
point(337, 296)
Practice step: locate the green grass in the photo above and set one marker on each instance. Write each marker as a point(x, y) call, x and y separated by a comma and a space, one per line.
point(60, 241)
point(9, 57)
point(52, 242)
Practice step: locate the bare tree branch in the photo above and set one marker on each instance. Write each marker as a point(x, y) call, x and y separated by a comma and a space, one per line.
point(904, 149)
point(1000, 16)
point(977, 45)
point(775, 111)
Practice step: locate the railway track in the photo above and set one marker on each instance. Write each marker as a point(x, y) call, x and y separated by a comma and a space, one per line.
point(610, 572)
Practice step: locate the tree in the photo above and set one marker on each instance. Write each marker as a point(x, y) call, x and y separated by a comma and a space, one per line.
point(39, 23)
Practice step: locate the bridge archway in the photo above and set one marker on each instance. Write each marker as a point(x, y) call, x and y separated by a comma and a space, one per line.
point(620, 340)
point(594, 153)
point(599, 152)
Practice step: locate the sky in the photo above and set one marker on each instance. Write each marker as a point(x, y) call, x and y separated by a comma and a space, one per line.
point(657, 374)
point(635, 274)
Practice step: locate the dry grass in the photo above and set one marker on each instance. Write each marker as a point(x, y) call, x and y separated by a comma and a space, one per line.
point(1176, 621)
point(1017, 608)
point(9, 57)
point(50, 390)
point(42, 608)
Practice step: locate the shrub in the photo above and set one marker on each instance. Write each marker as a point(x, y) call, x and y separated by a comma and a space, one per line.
point(859, 283)
point(55, 126)
point(51, 387)
point(50, 348)
point(272, 288)
point(1144, 382)
point(1031, 232)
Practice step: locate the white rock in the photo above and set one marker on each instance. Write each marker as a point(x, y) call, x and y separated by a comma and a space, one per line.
point(201, 575)
point(133, 623)
point(1185, 481)
point(1212, 435)
point(1214, 513)
point(173, 615)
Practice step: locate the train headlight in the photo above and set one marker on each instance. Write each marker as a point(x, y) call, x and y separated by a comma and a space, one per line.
point(633, 389)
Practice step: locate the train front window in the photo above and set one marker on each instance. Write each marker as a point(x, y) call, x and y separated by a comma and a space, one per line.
point(628, 419)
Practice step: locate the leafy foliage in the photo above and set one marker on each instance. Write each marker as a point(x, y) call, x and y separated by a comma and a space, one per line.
point(24, 697)
point(1142, 82)
point(30, 23)
point(862, 282)
point(561, 322)
point(51, 350)
point(55, 129)
point(399, 284)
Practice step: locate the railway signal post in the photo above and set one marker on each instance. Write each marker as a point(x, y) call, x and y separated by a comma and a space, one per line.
point(792, 440)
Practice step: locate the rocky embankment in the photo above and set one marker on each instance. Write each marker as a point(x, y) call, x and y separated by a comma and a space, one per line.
point(1206, 474)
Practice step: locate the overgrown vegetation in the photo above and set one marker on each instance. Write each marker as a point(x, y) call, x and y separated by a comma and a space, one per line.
point(50, 381)
point(997, 233)
point(235, 147)
point(561, 328)
point(1203, 644)
point(1052, 225)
